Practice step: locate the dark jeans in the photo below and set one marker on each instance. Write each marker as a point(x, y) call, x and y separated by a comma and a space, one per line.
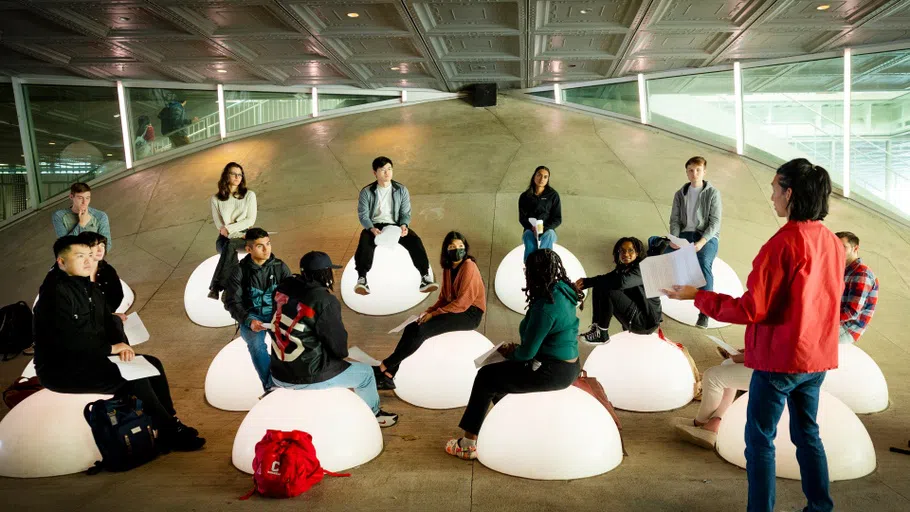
point(497, 380)
point(705, 256)
point(768, 392)
point(415, 334)
point(227, 248)
point(363, 258)
point(154, 392)
point(609, 303)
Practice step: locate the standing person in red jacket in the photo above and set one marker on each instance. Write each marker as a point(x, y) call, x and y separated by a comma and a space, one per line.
point(792, 313)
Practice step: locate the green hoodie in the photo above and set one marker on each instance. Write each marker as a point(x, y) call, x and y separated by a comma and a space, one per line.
point(550, 330)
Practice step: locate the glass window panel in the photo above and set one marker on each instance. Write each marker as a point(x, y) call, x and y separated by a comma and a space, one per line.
point(543, 94)
point(621, 98)
point(334, 101)
point(244, 109)
point(796, 110)
point(165, 119)
point(698, 106)
point(13, 182)
point(75, 133)
point(880, 128)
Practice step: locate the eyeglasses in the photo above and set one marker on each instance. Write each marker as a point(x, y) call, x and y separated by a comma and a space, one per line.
point(236, 174)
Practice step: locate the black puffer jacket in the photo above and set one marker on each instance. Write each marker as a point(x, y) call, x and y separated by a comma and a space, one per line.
point(250, 288)
point(545, 207)
point(317, 345)
point(74, 328)
point(627, 278)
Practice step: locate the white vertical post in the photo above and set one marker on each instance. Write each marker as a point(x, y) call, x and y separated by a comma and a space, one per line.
point(848, 79)
point(125, 126)
point(222, 115)
point(557, 94)
point(315, 99)
point(738, 107)
point(404, 95)
point(31, 170)
point(643, 99)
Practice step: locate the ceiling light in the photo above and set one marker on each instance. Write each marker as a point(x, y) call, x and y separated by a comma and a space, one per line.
point(395, 68)
point(584, 11)
point(110, 154)
point(52, 143)
point(221, 70)
point(353, 15)
point(823, 7)
point(116, 116)
point(124, 18)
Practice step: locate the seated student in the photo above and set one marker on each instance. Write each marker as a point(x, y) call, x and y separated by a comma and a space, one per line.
point(248, 296)
point(540, 201)
point(80, 216)
point(860, 292)
point(460, 306)
point(546, 359)
point(621, 293)
point(234, 211)
point(75, 333)
point(102, 273)
point(695, 217)
point(719, 386)
point(309, 341)
point(387, 203)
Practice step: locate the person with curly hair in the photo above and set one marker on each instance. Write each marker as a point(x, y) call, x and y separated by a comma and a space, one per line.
point(546, 359)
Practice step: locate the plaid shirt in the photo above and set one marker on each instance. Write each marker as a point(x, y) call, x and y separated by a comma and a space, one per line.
point(860, 297)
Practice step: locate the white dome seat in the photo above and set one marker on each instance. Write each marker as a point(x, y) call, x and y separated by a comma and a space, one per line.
point(441, 373)
point(201, 309)
point(128, 298)
point(345, 431)
point(642, 373)
point(684, 311)
point(553, 435)
point(47, 435)
point(858, 382)
point(231, 383)
point(394, 283)
point(847, 444)
point(510, 276)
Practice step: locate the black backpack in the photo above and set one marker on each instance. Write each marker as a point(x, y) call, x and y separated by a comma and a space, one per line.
point(15, 329)
point(123, 433)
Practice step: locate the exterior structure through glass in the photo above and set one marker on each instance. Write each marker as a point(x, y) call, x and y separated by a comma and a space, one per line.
point(245, 109)
point(13, 181)
point(621, 98)
point(161, 120)
point(701, 106)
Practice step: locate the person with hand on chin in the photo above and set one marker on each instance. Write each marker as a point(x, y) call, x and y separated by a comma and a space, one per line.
point(76, 332)
point(792, 310)
point(80, 216)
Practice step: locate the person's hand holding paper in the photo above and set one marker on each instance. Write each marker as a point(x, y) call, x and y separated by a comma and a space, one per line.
point(670, 274)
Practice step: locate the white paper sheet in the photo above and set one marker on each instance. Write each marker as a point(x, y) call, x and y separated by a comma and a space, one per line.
point(135, 330)
point(411, 319)
point(356, 354)
point(680, 242)
point(722, 344)
point(533, 222)
point(489, 357)
point(138, 368)
point(678, 267)
point(388, 236)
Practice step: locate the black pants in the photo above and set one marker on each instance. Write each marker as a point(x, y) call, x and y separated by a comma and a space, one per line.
point(227, 248)
point(154, 392)
point(497, 380)
point(363, 258)
point(415, 334)
point(609, 303)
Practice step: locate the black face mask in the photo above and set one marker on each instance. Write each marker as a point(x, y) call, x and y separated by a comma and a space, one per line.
point(455, 254)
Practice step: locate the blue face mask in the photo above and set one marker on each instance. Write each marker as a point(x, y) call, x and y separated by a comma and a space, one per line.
point(456, 254)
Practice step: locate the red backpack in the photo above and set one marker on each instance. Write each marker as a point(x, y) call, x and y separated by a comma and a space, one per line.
point(286, 465)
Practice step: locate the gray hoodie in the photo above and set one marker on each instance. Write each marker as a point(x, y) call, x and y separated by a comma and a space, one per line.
point(707, 212)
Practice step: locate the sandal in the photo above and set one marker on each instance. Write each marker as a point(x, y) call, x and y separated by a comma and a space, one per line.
point(453, 447)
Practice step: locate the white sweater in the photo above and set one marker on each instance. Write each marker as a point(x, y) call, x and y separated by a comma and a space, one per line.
point(237, 215)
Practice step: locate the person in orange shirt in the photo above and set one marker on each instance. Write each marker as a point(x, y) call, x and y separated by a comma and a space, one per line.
point(460, 306)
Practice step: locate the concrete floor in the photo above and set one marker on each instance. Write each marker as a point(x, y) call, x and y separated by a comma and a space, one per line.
point(464, 168)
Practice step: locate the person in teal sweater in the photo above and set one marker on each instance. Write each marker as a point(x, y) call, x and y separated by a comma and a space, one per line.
point(546, 359)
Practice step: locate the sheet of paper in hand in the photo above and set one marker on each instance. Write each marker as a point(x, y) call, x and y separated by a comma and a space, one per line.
point(138, 368)
point(489, 357)
point(675, 268)
point(135, 330)
point(356, 354)
point(389, 236)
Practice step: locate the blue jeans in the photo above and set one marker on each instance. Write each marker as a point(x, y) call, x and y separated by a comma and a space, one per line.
point(358, 377)
point(705, 256)
point(256, 344)
point(768, 392)
point(547, 239)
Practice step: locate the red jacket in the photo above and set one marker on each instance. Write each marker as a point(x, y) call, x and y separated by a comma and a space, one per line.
point(792, 305)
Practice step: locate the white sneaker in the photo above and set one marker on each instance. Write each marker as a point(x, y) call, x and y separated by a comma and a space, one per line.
point(386, 419)
point(362, 288)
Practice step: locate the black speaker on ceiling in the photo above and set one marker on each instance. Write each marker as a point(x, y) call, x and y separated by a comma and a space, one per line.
point(484, 95)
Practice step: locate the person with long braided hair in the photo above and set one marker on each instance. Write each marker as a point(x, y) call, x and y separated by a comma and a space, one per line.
point(546, 359)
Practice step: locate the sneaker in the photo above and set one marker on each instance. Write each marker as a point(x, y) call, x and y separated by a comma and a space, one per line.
point(454, 448)
point(427, 285)
point(702, 322)
point(30, 351)
point(383, 381)
point(595, 335)
point(362, 288)
point(687, 431)
point(386, 419)
point(184, 439)
point(214, 294)
point(185, 430)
